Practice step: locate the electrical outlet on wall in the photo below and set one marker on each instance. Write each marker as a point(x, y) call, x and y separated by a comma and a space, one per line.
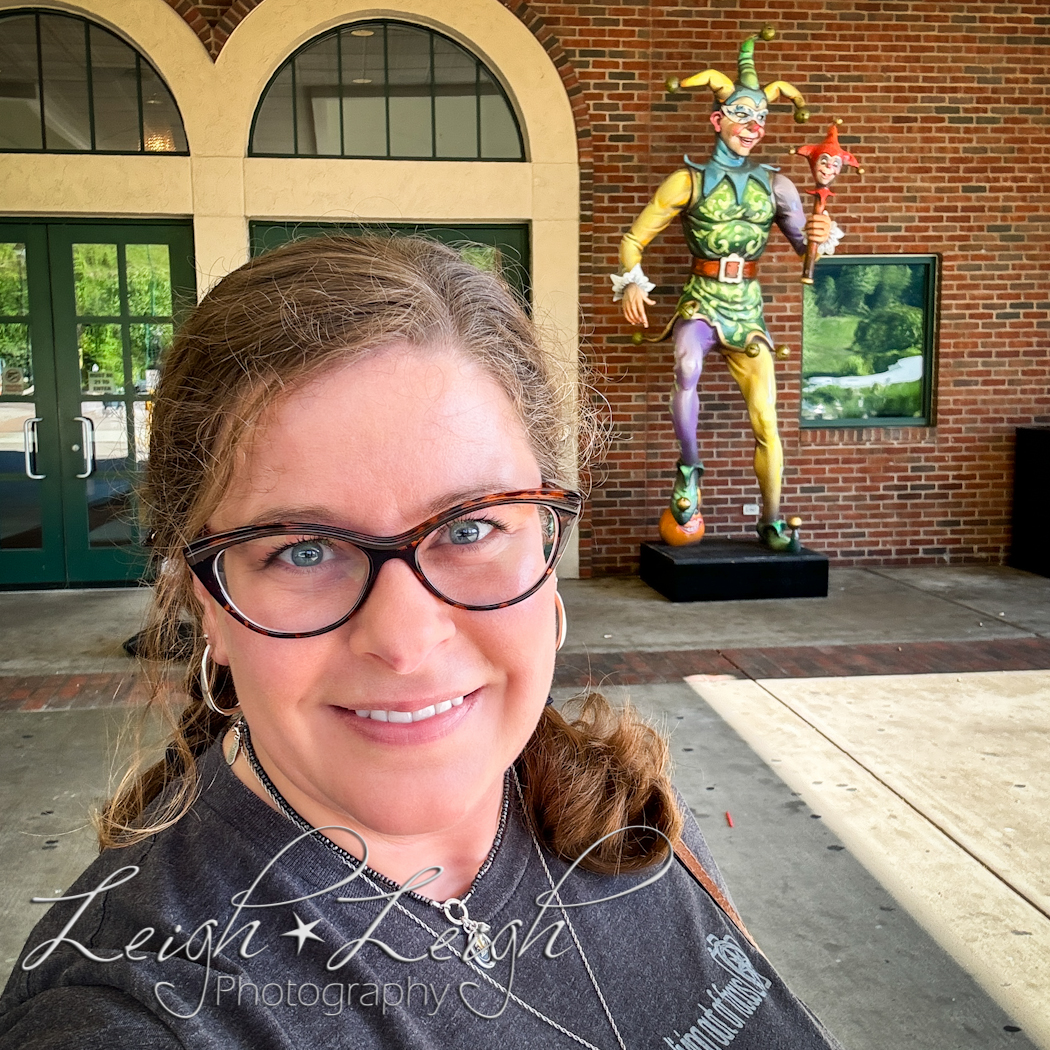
point(751, 509)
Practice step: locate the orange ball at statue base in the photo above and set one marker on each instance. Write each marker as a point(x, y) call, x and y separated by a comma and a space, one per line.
point(679, 535)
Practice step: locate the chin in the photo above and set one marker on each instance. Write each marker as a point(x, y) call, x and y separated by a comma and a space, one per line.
point(427, 807)
point(420, 798)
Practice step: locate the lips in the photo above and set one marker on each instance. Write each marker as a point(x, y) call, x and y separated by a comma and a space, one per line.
point(404, 717)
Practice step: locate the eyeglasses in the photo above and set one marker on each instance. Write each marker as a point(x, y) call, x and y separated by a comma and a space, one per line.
point(294, 580)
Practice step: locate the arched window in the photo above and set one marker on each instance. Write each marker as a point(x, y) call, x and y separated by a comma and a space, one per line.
point(70, 86)
point(389, 90)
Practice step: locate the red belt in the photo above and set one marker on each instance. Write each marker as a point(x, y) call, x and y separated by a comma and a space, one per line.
point(731, 270)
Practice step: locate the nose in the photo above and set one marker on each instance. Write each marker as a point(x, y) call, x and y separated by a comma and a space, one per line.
point(400, 623)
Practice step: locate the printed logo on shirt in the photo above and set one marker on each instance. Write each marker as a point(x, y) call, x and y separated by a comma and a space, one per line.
point(332, 997)
point(730, 1005)
point(237, 937)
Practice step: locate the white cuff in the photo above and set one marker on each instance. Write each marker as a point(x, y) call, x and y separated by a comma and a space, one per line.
point(633, 276)
point(828, 247)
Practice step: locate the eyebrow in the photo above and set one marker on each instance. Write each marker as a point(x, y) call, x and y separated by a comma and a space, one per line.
point(451, 499)
point(319, 515)
point(314, 515)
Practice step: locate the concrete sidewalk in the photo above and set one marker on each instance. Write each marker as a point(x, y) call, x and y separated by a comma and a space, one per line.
point(870, 748)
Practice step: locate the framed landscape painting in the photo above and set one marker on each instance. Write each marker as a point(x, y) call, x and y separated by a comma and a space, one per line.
point(868, 331)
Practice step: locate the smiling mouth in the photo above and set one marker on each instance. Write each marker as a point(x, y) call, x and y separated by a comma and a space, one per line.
point(411, 716)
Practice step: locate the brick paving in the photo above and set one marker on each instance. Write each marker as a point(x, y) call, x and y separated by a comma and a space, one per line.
point(805, 661)
point(65, 692)
point(68, 692)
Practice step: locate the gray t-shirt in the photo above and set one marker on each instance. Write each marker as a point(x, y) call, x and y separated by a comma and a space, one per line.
point(231, 929)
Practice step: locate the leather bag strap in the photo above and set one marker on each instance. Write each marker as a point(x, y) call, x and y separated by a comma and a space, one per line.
point(692, 863)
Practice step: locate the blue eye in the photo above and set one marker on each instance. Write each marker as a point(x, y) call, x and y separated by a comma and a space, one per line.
point(304, 555)
point(468, 531)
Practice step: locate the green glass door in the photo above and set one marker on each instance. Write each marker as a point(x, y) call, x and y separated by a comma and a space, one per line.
point(80, 363)
point(30, 484)
point(502, 247)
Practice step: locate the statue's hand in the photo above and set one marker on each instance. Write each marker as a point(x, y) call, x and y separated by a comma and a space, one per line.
point(818, 228)
point(634, 303)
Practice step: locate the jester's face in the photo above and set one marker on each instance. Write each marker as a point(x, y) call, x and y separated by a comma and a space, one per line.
point(741, 122)
point(826, 168)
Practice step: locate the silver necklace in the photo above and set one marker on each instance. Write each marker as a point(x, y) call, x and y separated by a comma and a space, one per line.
point(477, 952)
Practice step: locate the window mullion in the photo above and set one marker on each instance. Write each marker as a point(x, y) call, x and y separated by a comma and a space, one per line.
point(433, 101)
point(295, 110)
point(339, 89)
point(138, 92)
point(386, 88)
point(90, 84)
point(477, 107)
point(128, 385)
point(40, 83)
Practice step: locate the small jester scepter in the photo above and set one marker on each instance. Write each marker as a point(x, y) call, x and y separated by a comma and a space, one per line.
point(826, 160)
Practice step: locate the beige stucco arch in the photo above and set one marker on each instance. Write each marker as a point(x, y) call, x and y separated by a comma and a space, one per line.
point(222, 189)
point(63, 184)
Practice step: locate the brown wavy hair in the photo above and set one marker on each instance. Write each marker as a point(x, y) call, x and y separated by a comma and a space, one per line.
point(275, 324)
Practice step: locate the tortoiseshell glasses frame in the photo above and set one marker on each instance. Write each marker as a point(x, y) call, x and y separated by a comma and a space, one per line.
point(204, 555)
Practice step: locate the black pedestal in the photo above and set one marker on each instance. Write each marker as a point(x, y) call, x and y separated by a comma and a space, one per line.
point(1029, 549)
point(717, 570)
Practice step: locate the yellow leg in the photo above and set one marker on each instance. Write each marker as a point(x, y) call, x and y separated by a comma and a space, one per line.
point(757, 382)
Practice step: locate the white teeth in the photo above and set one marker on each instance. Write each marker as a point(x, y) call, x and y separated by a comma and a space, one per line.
point(411, 716)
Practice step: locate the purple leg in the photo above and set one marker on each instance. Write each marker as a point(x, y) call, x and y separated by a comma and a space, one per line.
point(692, 342)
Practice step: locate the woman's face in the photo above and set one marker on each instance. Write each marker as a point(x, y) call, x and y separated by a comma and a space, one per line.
point(377, 447)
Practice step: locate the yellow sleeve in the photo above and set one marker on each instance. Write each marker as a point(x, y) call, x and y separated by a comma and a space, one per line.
point(672, 196)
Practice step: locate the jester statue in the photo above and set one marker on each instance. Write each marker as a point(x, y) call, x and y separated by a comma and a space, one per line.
point(727, 206)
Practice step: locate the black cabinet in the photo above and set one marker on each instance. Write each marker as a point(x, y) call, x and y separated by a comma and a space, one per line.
point(1030, 549)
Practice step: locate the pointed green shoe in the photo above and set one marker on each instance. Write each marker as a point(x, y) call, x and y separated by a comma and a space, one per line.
point(780, 535)
point(685, 496)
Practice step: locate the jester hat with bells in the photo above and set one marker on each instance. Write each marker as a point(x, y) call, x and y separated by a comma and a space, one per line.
point(830, 147)
point(747, 85)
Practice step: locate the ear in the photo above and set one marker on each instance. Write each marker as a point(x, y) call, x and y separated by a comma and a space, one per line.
point(716, 120)
point(211, 622)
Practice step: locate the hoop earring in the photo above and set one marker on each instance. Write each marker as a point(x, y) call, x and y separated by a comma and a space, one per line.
point(206, 692)
point(561, 622)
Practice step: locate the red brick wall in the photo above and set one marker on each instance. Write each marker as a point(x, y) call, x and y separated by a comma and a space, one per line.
point(213, 22)
point(947, 107)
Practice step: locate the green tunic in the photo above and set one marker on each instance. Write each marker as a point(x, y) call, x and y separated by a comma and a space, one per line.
point(720, 223)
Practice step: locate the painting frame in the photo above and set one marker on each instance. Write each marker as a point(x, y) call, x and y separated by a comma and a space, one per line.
point(867, 316)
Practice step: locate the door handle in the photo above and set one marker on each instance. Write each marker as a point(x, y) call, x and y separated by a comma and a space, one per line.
point(29, 443)
point(87, 431)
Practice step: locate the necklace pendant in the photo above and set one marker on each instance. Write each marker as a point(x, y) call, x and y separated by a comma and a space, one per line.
point(479, 943)
point(479, 946)
point(231, 746)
